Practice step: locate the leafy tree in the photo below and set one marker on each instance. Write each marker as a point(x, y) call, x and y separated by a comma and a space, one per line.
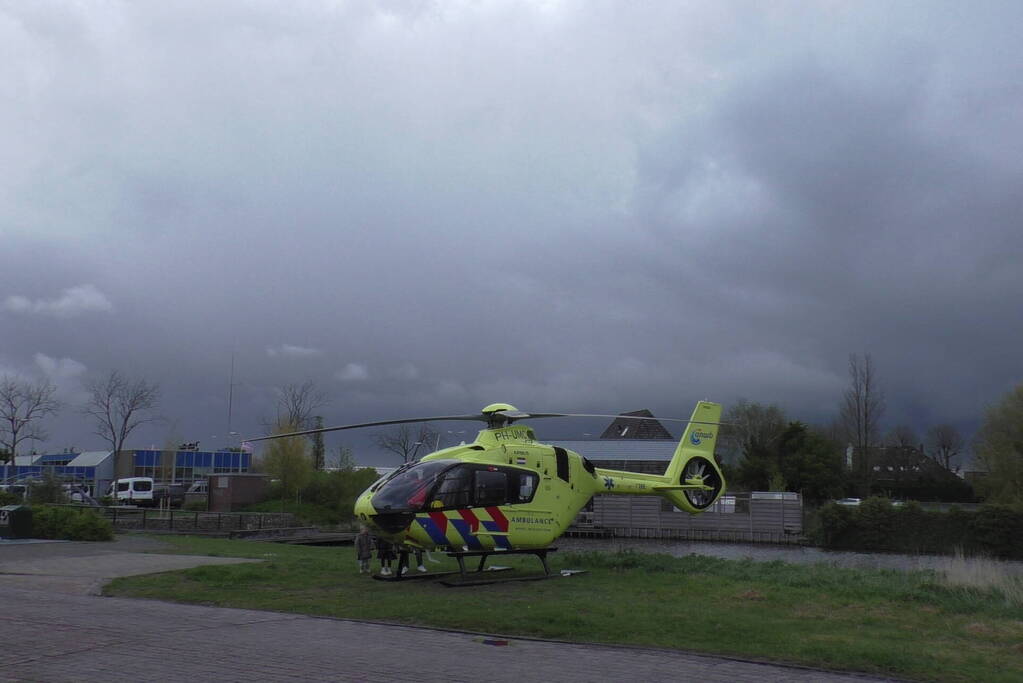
point(48, 489)
point(287, 461)
point(753, 430)
point(811, 463)
point(22, 405)
point(319, 452)
point(797, 458)
point(999, 446)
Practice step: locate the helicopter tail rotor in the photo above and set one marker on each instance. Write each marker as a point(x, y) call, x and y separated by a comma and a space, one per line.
point(695, 479)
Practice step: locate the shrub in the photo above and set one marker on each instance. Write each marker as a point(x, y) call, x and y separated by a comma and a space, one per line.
point(875, 521)
point(49, 489)
point(87, 526)
point(835, 520)
point(877, 525)
point(194, 506)
point(9, 498)
point(327, 499)
point(70, 524)
point(998, 530)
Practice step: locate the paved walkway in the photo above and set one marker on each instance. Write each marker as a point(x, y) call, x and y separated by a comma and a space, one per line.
point(83, 568)
point(73, 636)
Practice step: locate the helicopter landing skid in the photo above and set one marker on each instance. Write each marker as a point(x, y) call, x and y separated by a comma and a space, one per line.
point(541, 554)
point(408, 576)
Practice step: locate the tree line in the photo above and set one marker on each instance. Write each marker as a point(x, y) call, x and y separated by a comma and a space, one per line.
point(116, 406)
point(852, 456)
point(775, 452)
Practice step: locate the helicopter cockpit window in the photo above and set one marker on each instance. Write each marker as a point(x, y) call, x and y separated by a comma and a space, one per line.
point(407, 490)
point(491, 487)
point(454, 490)
point(471, 485)
point(527, 485)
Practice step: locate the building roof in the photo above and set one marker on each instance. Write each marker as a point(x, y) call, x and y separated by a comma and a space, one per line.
point(636, 429)
point(621, 449)
point(90, 458)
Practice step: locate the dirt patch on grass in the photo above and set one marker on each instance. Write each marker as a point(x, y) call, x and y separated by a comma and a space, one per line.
point(751, 595)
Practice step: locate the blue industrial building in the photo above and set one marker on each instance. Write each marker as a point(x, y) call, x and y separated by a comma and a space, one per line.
point(96, 469)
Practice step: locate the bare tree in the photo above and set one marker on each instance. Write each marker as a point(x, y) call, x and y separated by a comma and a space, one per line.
point(345, 459)
point(752, 427)
point(861, 411)
point(944, 444)
point(902, 436)
point(406, 441)
point(22, 405)
point(119, 405)
point(900, 454)
point(296, 406)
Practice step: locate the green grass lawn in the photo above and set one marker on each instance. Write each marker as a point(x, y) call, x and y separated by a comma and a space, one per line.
point(883, 622)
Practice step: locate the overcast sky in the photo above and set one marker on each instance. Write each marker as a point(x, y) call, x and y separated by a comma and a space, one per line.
point(426, 207)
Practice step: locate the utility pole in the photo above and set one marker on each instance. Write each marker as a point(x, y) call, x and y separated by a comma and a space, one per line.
point(230, 395)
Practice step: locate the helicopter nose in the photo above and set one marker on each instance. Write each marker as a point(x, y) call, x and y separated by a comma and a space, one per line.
point(388, 524)
point(364, 511)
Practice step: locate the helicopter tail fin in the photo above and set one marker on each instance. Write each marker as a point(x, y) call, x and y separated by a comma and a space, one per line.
point(699, 437)
point(693, 481)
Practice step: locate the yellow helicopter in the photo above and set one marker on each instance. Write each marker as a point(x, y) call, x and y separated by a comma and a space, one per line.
point(507, 493)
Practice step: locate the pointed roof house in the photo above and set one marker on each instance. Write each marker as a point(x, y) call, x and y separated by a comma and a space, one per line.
point(637, 429)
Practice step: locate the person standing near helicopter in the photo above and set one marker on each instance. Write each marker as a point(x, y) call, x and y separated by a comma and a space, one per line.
point(363, 550)
point(385, 553)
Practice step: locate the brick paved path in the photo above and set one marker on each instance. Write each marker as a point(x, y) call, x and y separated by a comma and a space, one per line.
point(51, 636)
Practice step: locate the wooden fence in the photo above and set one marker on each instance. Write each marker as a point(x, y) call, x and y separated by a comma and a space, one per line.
point(758, 517)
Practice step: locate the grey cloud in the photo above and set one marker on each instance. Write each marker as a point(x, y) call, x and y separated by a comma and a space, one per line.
point(592, 206)
point(292, 351)
point(73, 301)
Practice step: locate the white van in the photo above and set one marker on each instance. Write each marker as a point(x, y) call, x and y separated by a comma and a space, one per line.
point(132, 490)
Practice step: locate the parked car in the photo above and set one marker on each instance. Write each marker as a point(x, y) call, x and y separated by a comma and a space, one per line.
point(79, 494)
point(132, 490)
point(175, 493)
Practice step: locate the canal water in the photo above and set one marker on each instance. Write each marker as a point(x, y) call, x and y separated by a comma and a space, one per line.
point(765, 553)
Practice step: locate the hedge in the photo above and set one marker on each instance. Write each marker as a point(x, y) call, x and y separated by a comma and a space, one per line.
point(877, 525)
point(70, 524)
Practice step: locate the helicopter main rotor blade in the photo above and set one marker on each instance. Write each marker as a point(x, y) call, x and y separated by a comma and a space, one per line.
point(379, 423)
point(519, 415)
point(510, 415)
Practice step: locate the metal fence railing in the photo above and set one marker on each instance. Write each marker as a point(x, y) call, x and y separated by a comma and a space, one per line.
point(155, 519)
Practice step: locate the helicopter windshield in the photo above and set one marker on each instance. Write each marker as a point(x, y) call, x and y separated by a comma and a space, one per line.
point(407, 490)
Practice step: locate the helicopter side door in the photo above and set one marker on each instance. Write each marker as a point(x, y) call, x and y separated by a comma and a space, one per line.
point(469, 506)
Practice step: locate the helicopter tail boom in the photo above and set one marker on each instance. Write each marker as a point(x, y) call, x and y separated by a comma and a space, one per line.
point(693, 481)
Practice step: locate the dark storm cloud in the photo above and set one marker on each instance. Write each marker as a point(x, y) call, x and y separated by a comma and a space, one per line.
point(426, 207)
